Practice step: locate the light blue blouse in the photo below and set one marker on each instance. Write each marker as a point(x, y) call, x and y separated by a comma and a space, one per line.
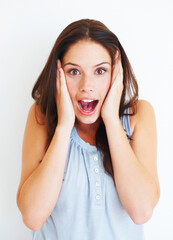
point(88, 206)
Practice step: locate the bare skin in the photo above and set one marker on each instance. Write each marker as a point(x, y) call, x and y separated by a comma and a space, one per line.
point(134, 163)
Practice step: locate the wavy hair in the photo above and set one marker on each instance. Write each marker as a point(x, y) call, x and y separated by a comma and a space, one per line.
point(44, 90)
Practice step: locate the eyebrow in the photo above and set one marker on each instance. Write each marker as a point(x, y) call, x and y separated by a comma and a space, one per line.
point(73, 64)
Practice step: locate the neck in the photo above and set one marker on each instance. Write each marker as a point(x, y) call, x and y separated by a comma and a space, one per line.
point(88, 131)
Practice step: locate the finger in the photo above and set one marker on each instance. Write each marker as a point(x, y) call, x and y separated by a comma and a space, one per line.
point(58, 67)
point(61, 72)
point(117, 55)
point(62, 78)
point(115, 72)
point(116, 58)
point(58, 64)
point(58, 74)
point(117, 62)
point(117, 75)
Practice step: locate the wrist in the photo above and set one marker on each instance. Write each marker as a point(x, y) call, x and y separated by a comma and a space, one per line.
point(66, 129)
point(108, 121)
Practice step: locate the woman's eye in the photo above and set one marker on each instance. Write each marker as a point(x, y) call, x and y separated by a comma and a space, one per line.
point(100, 71)
point(73, 72)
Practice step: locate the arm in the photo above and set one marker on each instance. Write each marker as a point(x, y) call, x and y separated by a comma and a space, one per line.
point(41, 181)
point(134, 163)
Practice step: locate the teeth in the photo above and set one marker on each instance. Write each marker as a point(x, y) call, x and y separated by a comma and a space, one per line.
point(87, 100)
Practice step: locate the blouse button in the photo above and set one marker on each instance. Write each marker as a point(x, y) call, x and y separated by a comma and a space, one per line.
point(97, 184)
point(95, 158)
point(98, 197)
point(96, 170)
point(94, 150)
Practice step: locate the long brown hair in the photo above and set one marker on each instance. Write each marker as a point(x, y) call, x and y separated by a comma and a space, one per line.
point(44, 90)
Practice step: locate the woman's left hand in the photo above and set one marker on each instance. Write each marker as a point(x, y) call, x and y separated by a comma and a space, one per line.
point(110, 108)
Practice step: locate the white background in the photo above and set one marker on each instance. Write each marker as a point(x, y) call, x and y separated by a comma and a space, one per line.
point(28, 30)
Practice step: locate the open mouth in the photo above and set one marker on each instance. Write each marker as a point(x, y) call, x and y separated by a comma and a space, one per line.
point(87, 105)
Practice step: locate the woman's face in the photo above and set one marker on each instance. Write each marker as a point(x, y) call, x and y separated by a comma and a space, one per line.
point(87, 68)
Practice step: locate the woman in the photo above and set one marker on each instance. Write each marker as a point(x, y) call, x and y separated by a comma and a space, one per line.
point(87, 172)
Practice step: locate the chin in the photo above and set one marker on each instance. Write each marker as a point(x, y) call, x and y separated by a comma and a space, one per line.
point(88, 120)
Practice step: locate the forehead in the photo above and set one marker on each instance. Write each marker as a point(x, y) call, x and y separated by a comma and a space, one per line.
point(87, 51)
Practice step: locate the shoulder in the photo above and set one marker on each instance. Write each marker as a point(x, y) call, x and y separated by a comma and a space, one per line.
point(144, 114)
point(34, 139)
point(36, 114)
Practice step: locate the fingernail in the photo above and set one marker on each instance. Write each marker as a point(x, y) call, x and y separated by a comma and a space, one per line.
point(59, 72)
point(116, 54)
point(58, 64)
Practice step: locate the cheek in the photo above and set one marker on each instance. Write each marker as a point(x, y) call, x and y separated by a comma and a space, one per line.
point(70, 87)
point(104, 86)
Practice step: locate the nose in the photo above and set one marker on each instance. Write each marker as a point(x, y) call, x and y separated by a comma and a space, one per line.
point(87, 84)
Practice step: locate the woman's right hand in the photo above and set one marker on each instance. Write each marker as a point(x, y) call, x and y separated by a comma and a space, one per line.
point(65, 110)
